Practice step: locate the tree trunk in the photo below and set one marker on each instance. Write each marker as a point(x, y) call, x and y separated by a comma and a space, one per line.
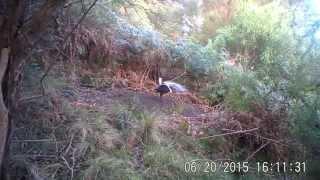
point(11, 25)
point(4, 121)
point(12, 12)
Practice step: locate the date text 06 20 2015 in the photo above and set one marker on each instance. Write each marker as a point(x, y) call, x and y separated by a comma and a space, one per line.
point(203, 166)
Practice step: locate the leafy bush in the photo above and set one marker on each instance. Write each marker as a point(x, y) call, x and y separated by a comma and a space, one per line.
point(200, 60)
point(267, 64)
point(257, 46)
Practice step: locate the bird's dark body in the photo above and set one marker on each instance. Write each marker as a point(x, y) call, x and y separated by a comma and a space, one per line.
point(169, 87)
point(162, 89)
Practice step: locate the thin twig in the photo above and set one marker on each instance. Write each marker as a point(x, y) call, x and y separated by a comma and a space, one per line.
point(230, 133)
point(34, 140)
point(69, 145)
point(73, 160)
point(65, 40)
point(144, 75)
point(34, 156)
point(256, 151)
point(72, 3)
point(81, 19)
point(262, 137)
point(182, 74)
point(269, 139)
point(68, 166)
point(29, 98)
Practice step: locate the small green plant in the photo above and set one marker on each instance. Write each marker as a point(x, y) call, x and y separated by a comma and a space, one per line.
point(106, 166)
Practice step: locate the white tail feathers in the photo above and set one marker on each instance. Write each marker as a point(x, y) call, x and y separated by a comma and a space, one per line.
point(172, 86)
point(175, 87)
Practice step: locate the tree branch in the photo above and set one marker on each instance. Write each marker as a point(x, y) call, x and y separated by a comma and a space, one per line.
point(230, 133)
point(65, 40)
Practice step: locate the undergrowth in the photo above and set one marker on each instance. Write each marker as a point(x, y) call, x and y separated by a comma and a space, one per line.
point(256, 70)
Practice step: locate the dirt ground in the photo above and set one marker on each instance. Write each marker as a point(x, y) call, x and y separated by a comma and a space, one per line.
point(145, 100)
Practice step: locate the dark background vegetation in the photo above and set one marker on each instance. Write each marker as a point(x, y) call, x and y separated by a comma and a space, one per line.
point(77, 80)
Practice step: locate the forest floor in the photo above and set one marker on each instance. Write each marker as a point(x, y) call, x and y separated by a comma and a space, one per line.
point(169, 107)
point(75, 130)
point(145, 100)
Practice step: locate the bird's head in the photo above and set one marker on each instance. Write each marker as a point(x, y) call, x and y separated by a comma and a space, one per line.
point(156, 89)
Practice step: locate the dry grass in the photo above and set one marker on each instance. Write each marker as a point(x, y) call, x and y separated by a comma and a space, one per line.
point(56, 136)
point(60, 137)
point(270, 135)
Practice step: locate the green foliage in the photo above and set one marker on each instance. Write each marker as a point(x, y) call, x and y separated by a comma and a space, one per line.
point(259, 43)
point(268, 65)
point(306, 120)
point(254, 60)
point(200, 60)
point(265, 65)
point(304, 92)
point(258, 37)
point(166, 162)
point(163, 162)
point(242, 90)
point(107, 166)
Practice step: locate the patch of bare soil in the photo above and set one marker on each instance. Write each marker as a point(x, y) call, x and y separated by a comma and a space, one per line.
point(173, 109)
point(145, 100)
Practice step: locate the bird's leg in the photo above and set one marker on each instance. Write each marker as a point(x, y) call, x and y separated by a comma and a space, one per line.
point(161, 97)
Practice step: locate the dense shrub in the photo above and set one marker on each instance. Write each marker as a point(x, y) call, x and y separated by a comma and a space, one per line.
point(268, 64)
point(258, 47)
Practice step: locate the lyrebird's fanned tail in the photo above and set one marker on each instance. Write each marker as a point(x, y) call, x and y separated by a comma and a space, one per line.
point(175, 87)
point(169, 86)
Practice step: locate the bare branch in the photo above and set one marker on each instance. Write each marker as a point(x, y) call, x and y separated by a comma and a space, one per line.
point(256, 151)
point(80, 20)
point(230, 133)
point(65, 40)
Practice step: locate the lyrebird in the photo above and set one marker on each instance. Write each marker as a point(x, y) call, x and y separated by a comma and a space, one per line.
point(169, 87)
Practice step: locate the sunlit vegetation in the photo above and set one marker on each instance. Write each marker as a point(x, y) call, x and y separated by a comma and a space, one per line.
point(86, 108)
